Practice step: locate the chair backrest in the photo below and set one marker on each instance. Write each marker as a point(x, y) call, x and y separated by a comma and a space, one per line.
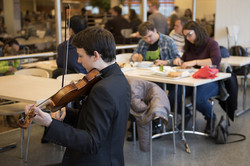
point(123, 58)
point(126, 32)
point(232, 34)
point(238, 51)
point(71, 77)
point(33, 72)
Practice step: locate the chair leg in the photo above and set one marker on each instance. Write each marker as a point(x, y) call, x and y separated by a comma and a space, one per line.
point(173, 130)
point(27, 147)
point(151, 141)
point(22, 137)
point(134, 132)
point(211, 124)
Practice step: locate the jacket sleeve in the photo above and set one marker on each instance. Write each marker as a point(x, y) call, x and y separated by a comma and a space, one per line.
point(215, 53)
point(3, 67)
point(16, 63)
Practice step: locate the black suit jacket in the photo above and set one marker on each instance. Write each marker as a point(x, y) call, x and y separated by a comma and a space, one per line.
point(97, 136)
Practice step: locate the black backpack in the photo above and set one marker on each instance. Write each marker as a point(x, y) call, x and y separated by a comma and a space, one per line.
point(239, 51)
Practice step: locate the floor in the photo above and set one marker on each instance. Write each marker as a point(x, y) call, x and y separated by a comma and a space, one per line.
point(204, 152)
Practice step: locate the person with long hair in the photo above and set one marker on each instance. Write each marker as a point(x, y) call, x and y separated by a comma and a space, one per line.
point(200, 50)
point(188, 14)
point(134, 20)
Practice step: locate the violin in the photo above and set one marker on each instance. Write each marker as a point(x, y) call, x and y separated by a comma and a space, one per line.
point(65, 95)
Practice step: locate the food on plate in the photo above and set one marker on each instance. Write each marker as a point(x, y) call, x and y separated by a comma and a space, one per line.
point(175, 74)
point(140, 58)
point(179, 67)
point(161, 68)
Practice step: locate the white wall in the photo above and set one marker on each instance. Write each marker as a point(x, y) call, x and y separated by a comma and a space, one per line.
point(183, 5)
point(232, 12)
point(204, 8)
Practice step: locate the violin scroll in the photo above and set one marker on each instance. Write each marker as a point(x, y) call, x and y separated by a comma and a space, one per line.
point(24, 122)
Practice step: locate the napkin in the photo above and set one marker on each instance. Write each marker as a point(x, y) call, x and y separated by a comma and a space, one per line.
point(206, 72)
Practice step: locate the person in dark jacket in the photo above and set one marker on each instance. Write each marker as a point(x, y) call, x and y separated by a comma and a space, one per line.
point(116, 24)
point(77, 24)
point(96, 134)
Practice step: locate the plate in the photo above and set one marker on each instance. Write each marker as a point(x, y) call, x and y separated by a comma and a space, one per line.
point(166, 70)
point(143, 64)
point(178, 68)
point(161, 75)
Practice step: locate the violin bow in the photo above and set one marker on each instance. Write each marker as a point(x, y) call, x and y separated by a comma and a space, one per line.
point(65, 65)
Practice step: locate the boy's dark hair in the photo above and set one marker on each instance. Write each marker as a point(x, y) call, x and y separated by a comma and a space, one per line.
point(10, 42)
point(145, 27)
point(117, 9)
point(96, 39)
point(78, 23)
point(201, 34)
point(9, 51)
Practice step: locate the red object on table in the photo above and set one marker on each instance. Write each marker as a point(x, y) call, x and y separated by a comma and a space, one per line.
point(206, 72)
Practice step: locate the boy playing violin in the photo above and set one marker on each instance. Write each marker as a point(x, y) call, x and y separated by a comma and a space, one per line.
point(95, 133)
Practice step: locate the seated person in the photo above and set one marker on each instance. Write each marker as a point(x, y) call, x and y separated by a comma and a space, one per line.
point(199, 50)
point(10, 48)
point(77, 24)
point(116, 24)
point(154, 46)
point(177, 34)
point(11, 42)
point(30, 29)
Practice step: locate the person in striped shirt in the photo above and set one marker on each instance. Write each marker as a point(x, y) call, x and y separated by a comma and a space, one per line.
point(177, 34)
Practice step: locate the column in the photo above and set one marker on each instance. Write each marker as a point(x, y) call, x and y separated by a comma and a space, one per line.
point(12, 16)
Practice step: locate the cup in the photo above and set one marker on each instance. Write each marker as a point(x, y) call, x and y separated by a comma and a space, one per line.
point(213, 66)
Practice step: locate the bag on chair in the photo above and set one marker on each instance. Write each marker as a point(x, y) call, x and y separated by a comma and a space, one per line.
point(221, 132)
point(239, 51)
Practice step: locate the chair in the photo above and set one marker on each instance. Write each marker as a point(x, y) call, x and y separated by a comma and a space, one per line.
point(49, 42)
point(149, 102)
point(14, 109)
point(227, 98)
point(33, 72)
point(18, 107)
point(126, 33)
point(157, 135)
point(71, 77)
point(232, 35)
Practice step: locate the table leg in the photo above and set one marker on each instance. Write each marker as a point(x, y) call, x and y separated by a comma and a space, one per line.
point(175, 107)
point(194, 107)
point(244, 95)
point(183, 120)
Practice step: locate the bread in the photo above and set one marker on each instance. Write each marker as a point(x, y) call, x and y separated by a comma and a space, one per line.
point(175, 74)
point(140, 58)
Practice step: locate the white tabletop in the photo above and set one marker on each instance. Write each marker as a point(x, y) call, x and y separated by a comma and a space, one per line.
point(28, 89)
point(49, 65)
point(237, 60)
point(186, 81)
